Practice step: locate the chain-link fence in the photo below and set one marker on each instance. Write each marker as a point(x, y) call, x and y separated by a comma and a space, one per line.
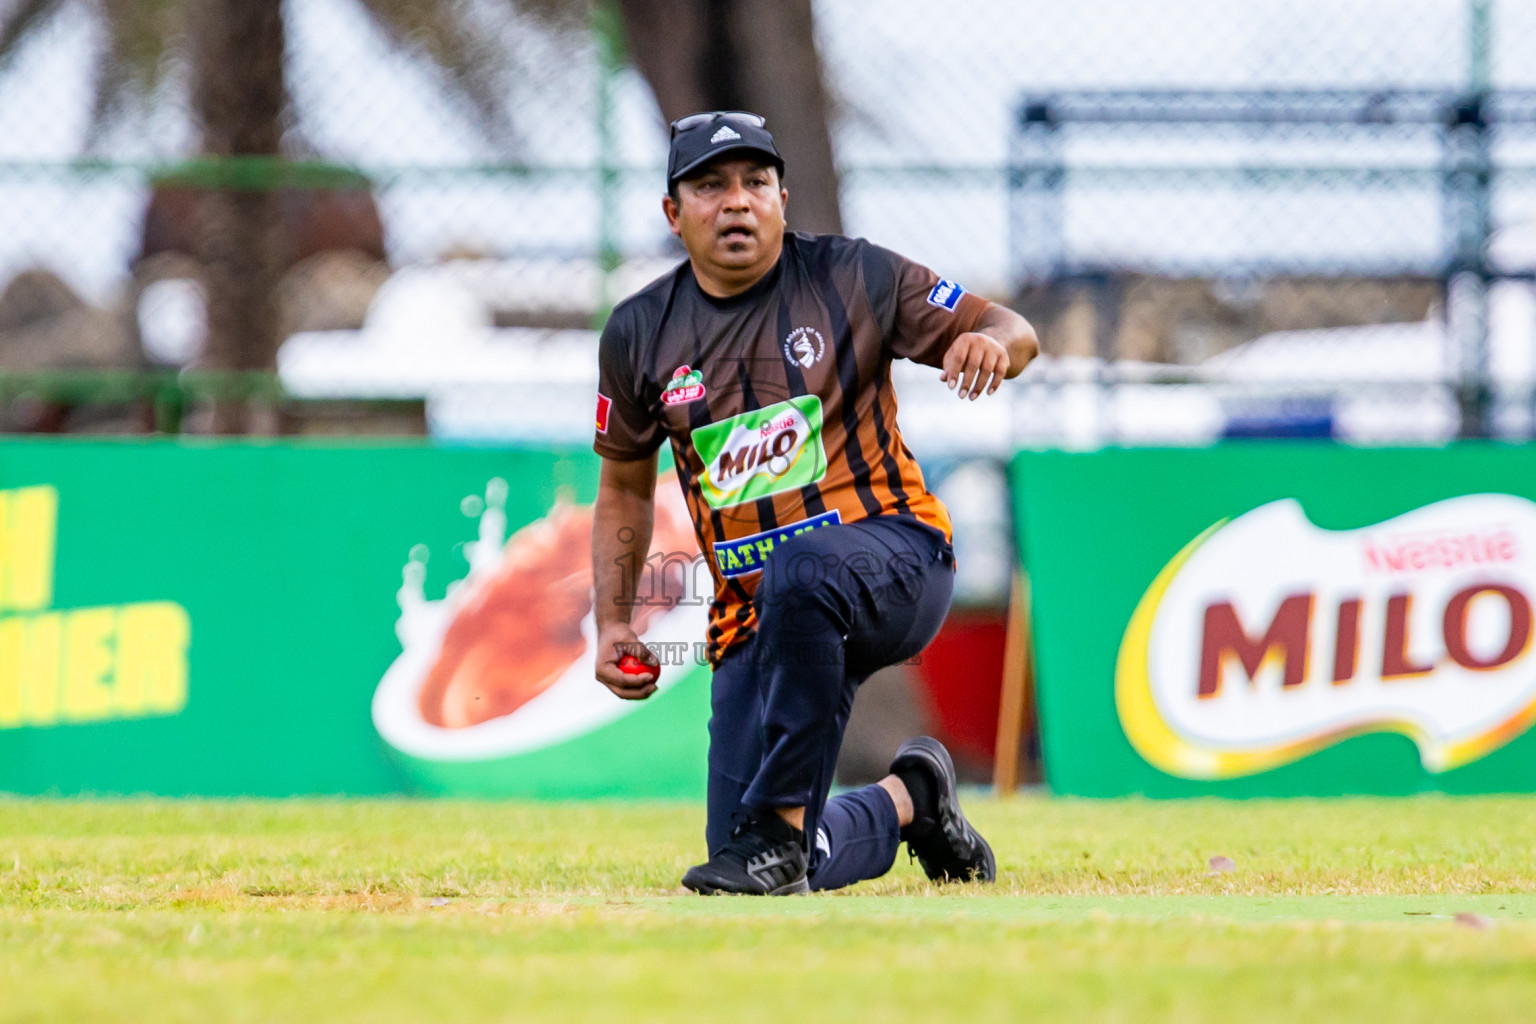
point(1305, 217)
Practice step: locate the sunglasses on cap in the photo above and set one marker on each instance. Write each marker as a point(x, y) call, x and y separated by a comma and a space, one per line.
point(682, 124)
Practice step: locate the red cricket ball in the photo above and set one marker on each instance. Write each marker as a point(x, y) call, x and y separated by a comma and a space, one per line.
point(633, 666)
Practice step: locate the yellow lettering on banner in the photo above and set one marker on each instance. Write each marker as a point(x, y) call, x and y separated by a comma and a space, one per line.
point(29, 670)
point(28, 524)
point(152, 642)
point(94, 664)
point(88, 663)
point(10, 672)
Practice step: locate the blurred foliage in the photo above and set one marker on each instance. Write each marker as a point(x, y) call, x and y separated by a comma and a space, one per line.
point(144, 41)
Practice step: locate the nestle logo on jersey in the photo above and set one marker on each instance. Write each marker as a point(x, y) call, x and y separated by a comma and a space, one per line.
point(762, 452)
point(946, 295)
point(686, 385)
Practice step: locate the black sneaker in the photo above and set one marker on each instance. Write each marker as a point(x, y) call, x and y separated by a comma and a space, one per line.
point(947, 846)
point(765, 856)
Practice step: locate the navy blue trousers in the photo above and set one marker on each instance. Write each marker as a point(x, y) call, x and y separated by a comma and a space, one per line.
point(834, 605)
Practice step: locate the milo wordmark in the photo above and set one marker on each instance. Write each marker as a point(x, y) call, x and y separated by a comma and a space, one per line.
point(1268, 638)
point(763, 452)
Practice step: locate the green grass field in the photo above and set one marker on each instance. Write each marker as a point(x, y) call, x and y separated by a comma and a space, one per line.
point(383, 911)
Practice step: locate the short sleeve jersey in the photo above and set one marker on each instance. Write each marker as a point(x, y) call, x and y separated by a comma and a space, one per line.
point(778, 401)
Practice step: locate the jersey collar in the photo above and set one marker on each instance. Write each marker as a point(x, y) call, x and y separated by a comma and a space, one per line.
point(762, 286)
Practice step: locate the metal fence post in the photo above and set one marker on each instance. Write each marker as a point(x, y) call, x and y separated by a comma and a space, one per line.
point(1036, 178)
point(1468, 185)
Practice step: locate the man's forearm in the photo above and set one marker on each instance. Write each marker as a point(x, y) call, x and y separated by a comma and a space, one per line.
point(621, 540)
point(1015, 334)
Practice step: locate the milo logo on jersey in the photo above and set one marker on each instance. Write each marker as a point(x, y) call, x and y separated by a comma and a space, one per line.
point(762, 452)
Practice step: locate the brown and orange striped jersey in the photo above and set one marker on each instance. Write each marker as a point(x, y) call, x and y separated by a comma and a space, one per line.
point(778, 401)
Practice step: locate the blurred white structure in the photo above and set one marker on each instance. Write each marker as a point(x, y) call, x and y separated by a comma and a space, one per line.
point(430, 333)
point(173, 321)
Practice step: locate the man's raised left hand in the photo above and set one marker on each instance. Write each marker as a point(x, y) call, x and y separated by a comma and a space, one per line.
point(975, 363)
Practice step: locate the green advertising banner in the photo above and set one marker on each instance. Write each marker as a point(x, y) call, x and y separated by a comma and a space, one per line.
point(1283, 619)
point(273, 619)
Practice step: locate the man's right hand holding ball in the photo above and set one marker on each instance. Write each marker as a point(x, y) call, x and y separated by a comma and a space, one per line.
point(624, 664)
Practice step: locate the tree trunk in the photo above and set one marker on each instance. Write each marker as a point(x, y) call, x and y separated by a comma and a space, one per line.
point(757, 55)
point(238, 93)
point(780, 76)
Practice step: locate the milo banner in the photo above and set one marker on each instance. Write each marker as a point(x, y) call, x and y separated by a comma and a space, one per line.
point(1283, 619)
point(279, 619)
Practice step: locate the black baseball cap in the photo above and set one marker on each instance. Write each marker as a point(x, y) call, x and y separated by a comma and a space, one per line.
point(699, 138)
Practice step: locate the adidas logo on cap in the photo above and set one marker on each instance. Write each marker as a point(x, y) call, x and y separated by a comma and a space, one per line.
point(725, 134)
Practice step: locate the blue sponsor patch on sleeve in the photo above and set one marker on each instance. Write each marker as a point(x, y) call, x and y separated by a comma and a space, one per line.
point(946, 295)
